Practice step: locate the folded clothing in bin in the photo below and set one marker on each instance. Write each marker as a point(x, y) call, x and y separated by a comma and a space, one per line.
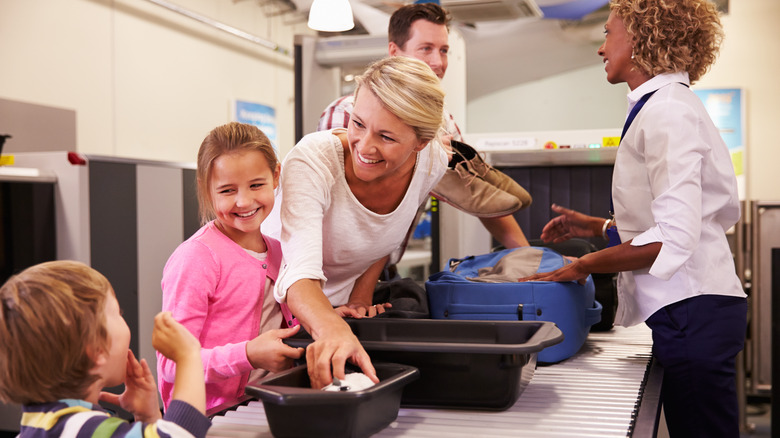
point(481, 288)
point(462, 364)
point(294, 409)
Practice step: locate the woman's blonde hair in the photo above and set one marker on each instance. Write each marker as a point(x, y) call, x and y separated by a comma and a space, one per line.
point(225, 139)
point(410, 90)
point(672, 35)
point(52, 325)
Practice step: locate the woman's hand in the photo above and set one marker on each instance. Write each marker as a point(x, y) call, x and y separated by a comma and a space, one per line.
point(327, 356)
point(573, 271)
point(140, 395)
point(334, 343)
point(362, 295)
point(446, 141)
point(360, 310)
point(570, 223)
point(269, 352)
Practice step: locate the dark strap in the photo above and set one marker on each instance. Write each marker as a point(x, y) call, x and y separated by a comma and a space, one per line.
point(637, 107)
point(635, 111)
point(612, 234)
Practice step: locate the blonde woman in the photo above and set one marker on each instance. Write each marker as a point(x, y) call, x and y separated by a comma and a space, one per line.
point(349, 198)
point(675, 195)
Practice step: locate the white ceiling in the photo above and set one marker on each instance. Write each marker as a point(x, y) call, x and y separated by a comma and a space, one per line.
point(506, 53)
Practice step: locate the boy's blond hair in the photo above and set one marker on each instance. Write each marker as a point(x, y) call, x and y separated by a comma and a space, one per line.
point(52, 325)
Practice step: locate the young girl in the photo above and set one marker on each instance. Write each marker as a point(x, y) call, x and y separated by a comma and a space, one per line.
point(218, 283)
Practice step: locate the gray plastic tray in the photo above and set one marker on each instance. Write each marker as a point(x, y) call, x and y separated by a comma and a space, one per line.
point(294, 409)
point(462, 364)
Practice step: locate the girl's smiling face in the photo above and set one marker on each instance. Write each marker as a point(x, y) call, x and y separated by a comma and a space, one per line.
point(242, 191)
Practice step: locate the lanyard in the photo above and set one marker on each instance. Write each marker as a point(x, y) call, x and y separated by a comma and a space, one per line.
point(612, 233)
point(635, 111)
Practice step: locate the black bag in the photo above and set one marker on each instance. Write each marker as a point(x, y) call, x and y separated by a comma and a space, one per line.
point(407, 297)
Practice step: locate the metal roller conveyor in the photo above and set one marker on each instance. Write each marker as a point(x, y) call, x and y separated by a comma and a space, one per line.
point(608, 389)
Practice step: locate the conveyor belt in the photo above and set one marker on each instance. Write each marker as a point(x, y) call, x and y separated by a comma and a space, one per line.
point(595, 393)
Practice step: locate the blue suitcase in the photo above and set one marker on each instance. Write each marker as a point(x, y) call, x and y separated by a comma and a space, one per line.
point(570, 305)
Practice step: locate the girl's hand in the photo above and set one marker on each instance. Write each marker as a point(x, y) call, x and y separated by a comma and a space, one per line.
point(140, 396)
point(268, 352)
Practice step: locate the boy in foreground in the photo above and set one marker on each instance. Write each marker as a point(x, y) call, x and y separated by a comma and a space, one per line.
point(63, 339)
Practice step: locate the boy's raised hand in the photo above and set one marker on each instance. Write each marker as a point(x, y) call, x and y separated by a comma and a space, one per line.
point(175, 342)
point(268, 352)
point(140, 395)
point(172, 339)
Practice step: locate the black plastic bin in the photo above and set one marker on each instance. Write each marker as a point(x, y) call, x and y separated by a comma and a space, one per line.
point(294, 409)
point(463, 364)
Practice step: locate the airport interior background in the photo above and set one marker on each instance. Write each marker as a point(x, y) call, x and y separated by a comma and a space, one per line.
point(132, 87)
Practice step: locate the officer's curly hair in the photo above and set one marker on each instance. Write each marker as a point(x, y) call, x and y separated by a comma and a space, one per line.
point(672, 35)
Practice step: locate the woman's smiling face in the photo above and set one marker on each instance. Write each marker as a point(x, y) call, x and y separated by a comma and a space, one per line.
point(380, 144)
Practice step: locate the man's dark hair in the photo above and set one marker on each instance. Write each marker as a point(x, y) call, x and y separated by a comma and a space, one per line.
point(402, 19)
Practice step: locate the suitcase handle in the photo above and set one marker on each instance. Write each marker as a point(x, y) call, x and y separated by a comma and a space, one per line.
point(593, 315)
point(502, 312)
point(453, 263)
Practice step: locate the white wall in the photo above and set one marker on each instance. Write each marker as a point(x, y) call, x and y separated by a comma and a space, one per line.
point(750, 59)
point(144, 81)
point(454, 82)
point(580, 99)
point(583, 99)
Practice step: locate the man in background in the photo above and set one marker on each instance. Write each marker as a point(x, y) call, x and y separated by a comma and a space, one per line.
point(421, 31)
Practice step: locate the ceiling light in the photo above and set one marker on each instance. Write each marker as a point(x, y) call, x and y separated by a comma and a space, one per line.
point(331, 15)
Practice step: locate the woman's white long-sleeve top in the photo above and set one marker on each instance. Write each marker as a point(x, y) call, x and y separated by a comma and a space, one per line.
point(326, 233)
point(674, 183)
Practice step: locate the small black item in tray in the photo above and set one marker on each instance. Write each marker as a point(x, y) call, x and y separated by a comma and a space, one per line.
point(462, 364)
point(294, 409)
